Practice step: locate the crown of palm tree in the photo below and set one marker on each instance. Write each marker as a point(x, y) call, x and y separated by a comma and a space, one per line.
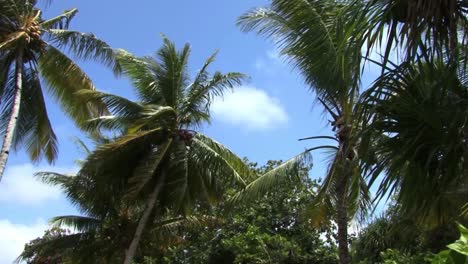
point(30, 56)
point(155, 132)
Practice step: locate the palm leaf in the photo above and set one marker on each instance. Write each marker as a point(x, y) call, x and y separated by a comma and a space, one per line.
point(146, 169)
point(64, 87)
point(282, 173)
point(61, 21)
point(79, 223)
point(85, 46)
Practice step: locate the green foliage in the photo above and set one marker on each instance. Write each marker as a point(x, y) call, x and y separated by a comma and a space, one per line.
point(391, 256)
point(272, 229)
point(41, 251)
point(457, 252)
point(419, 128)
point(397, 232)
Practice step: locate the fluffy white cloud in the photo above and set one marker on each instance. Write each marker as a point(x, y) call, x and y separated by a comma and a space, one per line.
point(19, 186)
point(14, 236)
point(251, 108)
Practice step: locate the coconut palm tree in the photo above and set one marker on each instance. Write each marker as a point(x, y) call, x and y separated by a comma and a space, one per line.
point(102, 238)
point(29, 58)
point(319, 40)
point(158, 160)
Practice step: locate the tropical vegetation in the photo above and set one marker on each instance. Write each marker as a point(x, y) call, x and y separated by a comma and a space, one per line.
point(155, 189)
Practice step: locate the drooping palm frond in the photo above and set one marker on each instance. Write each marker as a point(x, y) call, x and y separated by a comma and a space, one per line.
point(34, 130)
point(285, 172)
point(85, 46)
point(315, 38)
point(146, 168)
point(216, 151)
point(415, 27)
point(64, 86)
point(77, 222)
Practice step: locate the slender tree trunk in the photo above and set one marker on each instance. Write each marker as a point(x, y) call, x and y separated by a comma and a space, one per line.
point(11, 126)
point(150, 203)
point(342, 223)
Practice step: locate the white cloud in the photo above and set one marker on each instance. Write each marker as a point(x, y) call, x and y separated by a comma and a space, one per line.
point(19, 186)
point(270, 63)
point(14, 236)
point(274, 55)
point(251, 108)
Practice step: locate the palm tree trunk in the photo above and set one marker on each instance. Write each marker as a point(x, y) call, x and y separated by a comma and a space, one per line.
point(11, 126)
point(342, 223)
point(150, 203)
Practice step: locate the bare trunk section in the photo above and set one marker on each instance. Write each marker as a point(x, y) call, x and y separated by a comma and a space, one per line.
point(11, 126)
point(342, 223)
point(151, 202)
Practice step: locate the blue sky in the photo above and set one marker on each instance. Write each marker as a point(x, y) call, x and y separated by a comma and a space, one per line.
point(261, 120)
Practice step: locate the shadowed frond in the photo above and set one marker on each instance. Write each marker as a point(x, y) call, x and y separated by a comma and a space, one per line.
point(146, 169)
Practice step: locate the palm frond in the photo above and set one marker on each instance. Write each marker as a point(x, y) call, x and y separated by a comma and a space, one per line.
point(200, 95)
point(171, 75)
point(146, 168)
point(219, 160)
point(34, 129)
point(64, 87)
point(85, 46)
point(316, 39)
point(142, 72)
point(78, 222)
point(61, 21)
point(282, 173)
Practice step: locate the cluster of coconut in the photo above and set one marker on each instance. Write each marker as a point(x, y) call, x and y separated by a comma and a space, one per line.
point(186, 136)
point(33, 40)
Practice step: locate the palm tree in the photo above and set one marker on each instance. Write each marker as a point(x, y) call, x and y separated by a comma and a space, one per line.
point(158, 161)
point(102, 238)
point(421, 110)
point(317, 39)
point(29, 54)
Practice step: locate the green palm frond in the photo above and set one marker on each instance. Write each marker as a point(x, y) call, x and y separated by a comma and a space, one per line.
point(64, 86)
point(34, 129)
point(61, 21)
point(142, 72)
point(78, 222)
point(200, 94)
point(315, 38)
point(219, 160)
point(123, 110)
point(146, 168)
point(172, 76)
point(285, 172)
point(6, 64)
point(85, 46)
